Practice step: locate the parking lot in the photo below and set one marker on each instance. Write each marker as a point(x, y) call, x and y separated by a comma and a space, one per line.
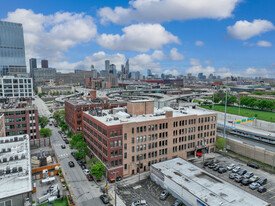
point(268, 196)
point(145, 190)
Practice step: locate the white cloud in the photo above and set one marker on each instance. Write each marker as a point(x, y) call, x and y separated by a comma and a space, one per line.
point(173, 72)
point(264, 44)
point(195, 70)
point(97, 59)
point(199, 43)
point(224, 72)
point(50, 36)
point(259, 72)
point(158, 55)
point(244, 30)
point(175, 55)
point(208, 61)
point(156, 11)
point(142, 62)
point(138, 37)
point(195, 62)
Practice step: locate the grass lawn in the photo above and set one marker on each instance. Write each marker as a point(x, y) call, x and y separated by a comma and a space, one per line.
point(49, 102)
point(57, 203)
point(262, 115)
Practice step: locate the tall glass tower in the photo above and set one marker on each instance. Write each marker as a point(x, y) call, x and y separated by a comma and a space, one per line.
point(12, 49)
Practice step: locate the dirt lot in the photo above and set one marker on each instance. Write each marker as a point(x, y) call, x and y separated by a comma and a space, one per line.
point(268, 196)
point(146, 190)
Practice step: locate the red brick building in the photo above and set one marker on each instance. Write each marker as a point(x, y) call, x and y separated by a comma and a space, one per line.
point(75, 107)
point(21, 118)
point(127, 141)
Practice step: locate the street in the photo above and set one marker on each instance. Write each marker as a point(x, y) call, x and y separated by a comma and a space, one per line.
point(84, 192)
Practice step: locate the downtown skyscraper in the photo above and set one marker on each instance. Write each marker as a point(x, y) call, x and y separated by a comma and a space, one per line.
point(12, 49)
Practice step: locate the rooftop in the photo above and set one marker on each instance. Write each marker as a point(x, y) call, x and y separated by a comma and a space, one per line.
point(15, 165)
point(122, 117)
point(205, 186)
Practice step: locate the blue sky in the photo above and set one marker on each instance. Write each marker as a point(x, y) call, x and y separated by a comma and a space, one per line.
point(171, 36)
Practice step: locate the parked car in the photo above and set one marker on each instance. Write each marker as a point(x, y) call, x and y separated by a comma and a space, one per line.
point(50, 124)
point(261, 189)
point(238, 178)
point(217, 168)
point(66, 141)
point(89, 177)
point(254, 185)
point(86, 171)
point(262, 181)
point(63, 146)
point(242, 172)
point(232, 175)
point(253, 165)
point(231, 167)
point(254, 178)
point(211, 166)
point(59, 132)
point(178, 203)
point(222, 170)
point(73, 153)
point(207, 163)
point(80, 162)
point(163, 195)
point(71, 164)
point(246, 181)
point(112, 180)
point(104, 199)
point(83, 166)
point(118, 179)
point(236, 169)
point(139, 203)
point(248, 175)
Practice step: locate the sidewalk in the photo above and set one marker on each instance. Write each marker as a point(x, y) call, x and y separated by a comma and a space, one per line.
point(119, 202)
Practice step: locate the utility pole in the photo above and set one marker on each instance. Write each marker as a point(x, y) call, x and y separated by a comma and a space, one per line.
point(213, 98)
point(225, 112)
point(139, 178)
point(115, 172)
point(106, 187)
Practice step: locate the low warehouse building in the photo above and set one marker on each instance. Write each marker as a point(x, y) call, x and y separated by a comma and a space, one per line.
point(195, 186)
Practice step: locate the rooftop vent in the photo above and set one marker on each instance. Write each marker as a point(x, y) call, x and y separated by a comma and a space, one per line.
point(23, 156)
point(8, 170)
point(15, 139)
point(14, 169)
point(20, 169)
point(1, 172)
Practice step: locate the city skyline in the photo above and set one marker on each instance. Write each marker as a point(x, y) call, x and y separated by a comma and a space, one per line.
point(229, 37)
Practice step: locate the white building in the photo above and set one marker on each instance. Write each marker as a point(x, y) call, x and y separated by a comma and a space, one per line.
point(16, 87)
point(196, 187)
point(15, 170)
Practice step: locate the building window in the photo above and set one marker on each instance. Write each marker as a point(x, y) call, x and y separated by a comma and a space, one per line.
point(133, 158)
point(125, 136)
point(133, 149)
point(125, 146)
point(125, 166)
point(125, 155)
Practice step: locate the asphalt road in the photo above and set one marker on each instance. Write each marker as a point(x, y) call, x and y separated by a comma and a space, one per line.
point(86, 193)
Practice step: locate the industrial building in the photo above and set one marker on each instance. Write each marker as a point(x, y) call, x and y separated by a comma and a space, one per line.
point(195, 186)
point(15, 171)
point(132, 138)
point(16, 87)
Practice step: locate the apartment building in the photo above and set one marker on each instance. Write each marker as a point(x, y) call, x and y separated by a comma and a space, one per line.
point(16, 87)
point(134, 139)
point(21, 118)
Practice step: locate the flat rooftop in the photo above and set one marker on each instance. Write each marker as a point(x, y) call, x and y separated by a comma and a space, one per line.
point(15, 166)
point(123, 118)
point(79, 102)
point(205, 186)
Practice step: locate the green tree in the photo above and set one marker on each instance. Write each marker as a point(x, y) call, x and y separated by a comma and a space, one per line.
point(57, 117)
point(43, 121)
point(216, 99)
point(40, 95)
point(98, 170)
point(75, 139)
point(82, 149)
point(45, 132)
point(35, 90)
point(91, 161)
point(220, 143)
point(69, 134)
point(232, 100)
point(62, 114)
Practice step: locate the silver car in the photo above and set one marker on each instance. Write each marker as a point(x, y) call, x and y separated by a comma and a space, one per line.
point(254, 185)
point(236, 169)
point(139, 203)
point(231, 167)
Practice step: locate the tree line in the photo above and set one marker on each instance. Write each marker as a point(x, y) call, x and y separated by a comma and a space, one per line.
point(263, 104)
